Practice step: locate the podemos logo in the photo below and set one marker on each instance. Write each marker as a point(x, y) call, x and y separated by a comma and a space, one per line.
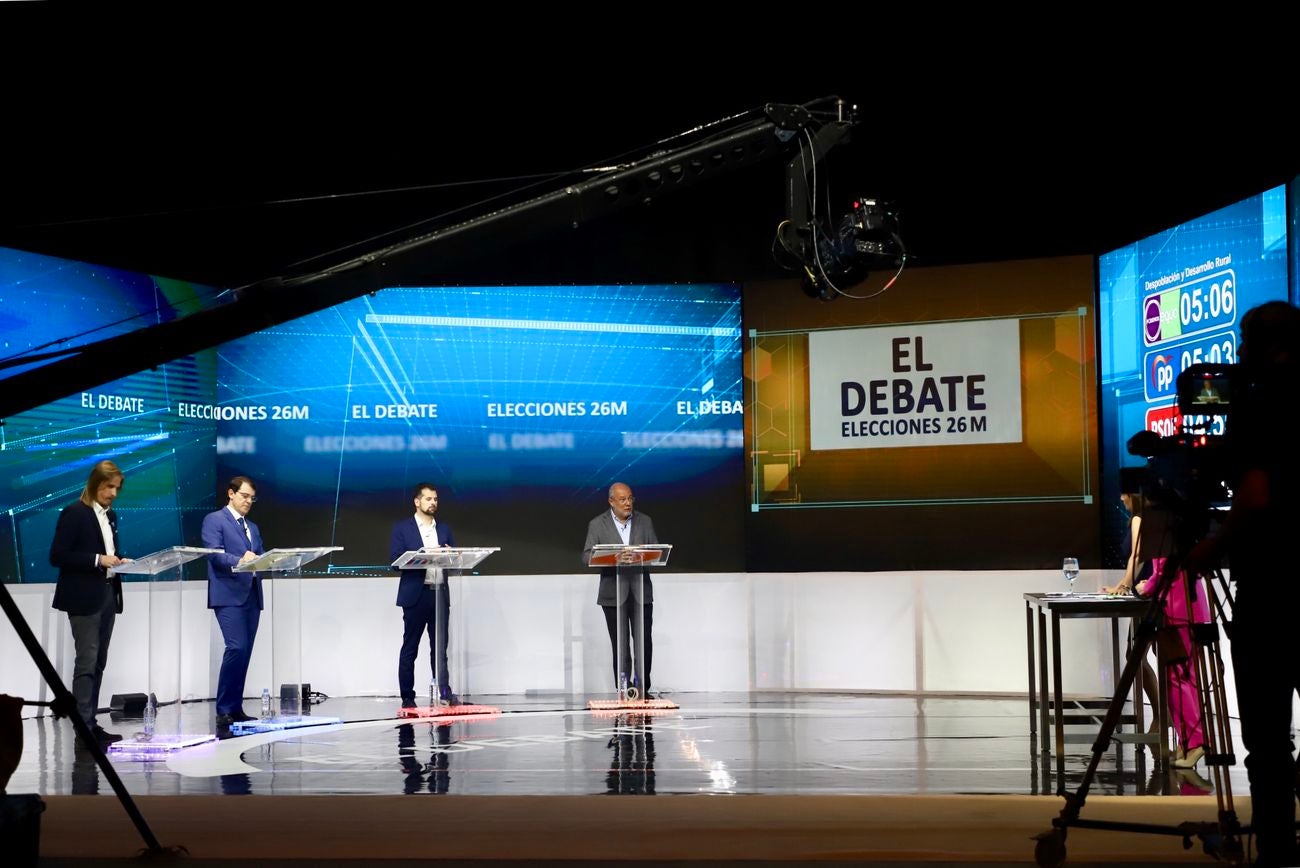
point(1153, 318)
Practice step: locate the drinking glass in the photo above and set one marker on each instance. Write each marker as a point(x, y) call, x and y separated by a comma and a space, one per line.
point(1070, 566)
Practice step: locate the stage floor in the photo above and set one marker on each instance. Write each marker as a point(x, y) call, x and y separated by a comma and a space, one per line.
point(743, 743)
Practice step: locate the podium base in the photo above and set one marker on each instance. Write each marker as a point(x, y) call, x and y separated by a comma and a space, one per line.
point(447, 710)
point(157, 748)
point(278, 723)
point(631, 705)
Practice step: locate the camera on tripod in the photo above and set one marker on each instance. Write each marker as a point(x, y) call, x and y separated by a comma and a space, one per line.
point(1188, 467)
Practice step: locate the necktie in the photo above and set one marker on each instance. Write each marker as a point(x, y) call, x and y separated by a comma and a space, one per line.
point(243, 525)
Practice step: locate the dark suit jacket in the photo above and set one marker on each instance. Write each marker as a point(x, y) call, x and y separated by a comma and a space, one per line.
point(226, 587)
point(601, 531)
point(77, 540)
point(406, 538)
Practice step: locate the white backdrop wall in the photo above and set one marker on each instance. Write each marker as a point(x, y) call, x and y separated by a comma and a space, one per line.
point(923, 632)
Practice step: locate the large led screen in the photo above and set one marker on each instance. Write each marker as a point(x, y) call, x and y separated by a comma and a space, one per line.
point(48, 305)
point(1173, 300)
point(522, 404)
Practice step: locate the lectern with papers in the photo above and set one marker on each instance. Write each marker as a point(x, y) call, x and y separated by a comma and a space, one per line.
point(438, 565)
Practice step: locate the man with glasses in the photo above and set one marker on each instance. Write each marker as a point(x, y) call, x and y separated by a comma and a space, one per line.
point(235, 598)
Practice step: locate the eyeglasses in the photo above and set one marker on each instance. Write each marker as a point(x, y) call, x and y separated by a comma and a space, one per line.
point(244, 495)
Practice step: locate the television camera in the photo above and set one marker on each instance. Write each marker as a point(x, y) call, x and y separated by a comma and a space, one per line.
point(1188, 471)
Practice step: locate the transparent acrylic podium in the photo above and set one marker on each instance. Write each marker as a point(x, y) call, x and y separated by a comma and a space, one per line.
point(629, 563)
point(442, 560)
point(289, 708)
point(161, 732)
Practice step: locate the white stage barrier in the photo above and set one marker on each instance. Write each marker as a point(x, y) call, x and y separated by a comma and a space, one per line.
point(922, 632)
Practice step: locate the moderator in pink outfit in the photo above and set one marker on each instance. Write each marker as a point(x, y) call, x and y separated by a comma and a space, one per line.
point(1184, 701)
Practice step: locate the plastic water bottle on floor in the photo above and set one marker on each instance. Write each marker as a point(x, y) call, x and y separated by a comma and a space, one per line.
point(266, 703)
point(622, 687)
point(150, 716)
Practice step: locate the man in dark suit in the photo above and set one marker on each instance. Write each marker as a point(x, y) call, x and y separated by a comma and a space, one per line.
point(84, 547)
point(235, 598)
point(625, 593)
point(423, 596)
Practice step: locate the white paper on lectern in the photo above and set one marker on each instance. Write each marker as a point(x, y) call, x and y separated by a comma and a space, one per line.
point(446, 557)
point(284, 560)
point(161, 561)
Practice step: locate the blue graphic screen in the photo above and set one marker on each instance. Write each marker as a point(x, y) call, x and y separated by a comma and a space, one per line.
point(47, 305)
point(522, 404)
point(1170, 301)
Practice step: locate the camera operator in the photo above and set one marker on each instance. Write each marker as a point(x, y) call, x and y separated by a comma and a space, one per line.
point(1256, 537)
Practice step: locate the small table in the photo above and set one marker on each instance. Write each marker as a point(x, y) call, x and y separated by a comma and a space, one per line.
point(1078, 606)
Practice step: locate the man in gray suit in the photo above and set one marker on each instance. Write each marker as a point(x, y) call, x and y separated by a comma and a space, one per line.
point(625, 591)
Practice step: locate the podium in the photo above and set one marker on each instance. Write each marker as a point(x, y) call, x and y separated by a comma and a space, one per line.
point(161, 732)
point(629, 563)
point(436, 562)
point(289, 708)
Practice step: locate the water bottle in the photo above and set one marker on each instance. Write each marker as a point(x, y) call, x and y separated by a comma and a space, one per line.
point(266, 703)
point(622, 687)
point(433, 694)
point(150, 716)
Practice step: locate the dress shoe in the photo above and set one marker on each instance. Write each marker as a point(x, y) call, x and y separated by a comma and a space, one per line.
point(240, 717)
point(1189, 759)
point(1191, 782)
point(100, 737)
point(103, 736)
point(408, 703)
point(446, 697)
point(224, 720)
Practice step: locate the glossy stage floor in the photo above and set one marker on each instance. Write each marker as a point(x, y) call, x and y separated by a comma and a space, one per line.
point(830, 769)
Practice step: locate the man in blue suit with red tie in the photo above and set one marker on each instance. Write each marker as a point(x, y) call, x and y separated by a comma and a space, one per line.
point(235, 598)
point(423, 596)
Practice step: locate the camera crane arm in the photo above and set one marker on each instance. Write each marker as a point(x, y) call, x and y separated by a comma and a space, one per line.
point(714, 149)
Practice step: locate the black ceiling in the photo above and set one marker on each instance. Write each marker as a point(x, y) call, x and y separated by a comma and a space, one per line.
point(226, 168)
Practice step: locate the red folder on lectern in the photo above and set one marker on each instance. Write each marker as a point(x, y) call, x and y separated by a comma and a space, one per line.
point(618, 555)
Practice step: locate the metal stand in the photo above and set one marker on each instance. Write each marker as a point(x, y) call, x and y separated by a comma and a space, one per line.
point(446, 558)
point(165, 575)
point(285, 565)
point(629, 563)
point(1221, 839)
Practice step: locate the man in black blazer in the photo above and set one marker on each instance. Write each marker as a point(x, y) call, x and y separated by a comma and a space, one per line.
point(625, 588)
point(84, 547)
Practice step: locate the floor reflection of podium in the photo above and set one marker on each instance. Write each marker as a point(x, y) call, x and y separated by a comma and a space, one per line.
point(629, 563)
point(289, 708)
point(445, 558)
point(160, 733)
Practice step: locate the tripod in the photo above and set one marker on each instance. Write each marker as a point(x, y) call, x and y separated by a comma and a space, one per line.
point(1221, 839)
point(64, 705)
